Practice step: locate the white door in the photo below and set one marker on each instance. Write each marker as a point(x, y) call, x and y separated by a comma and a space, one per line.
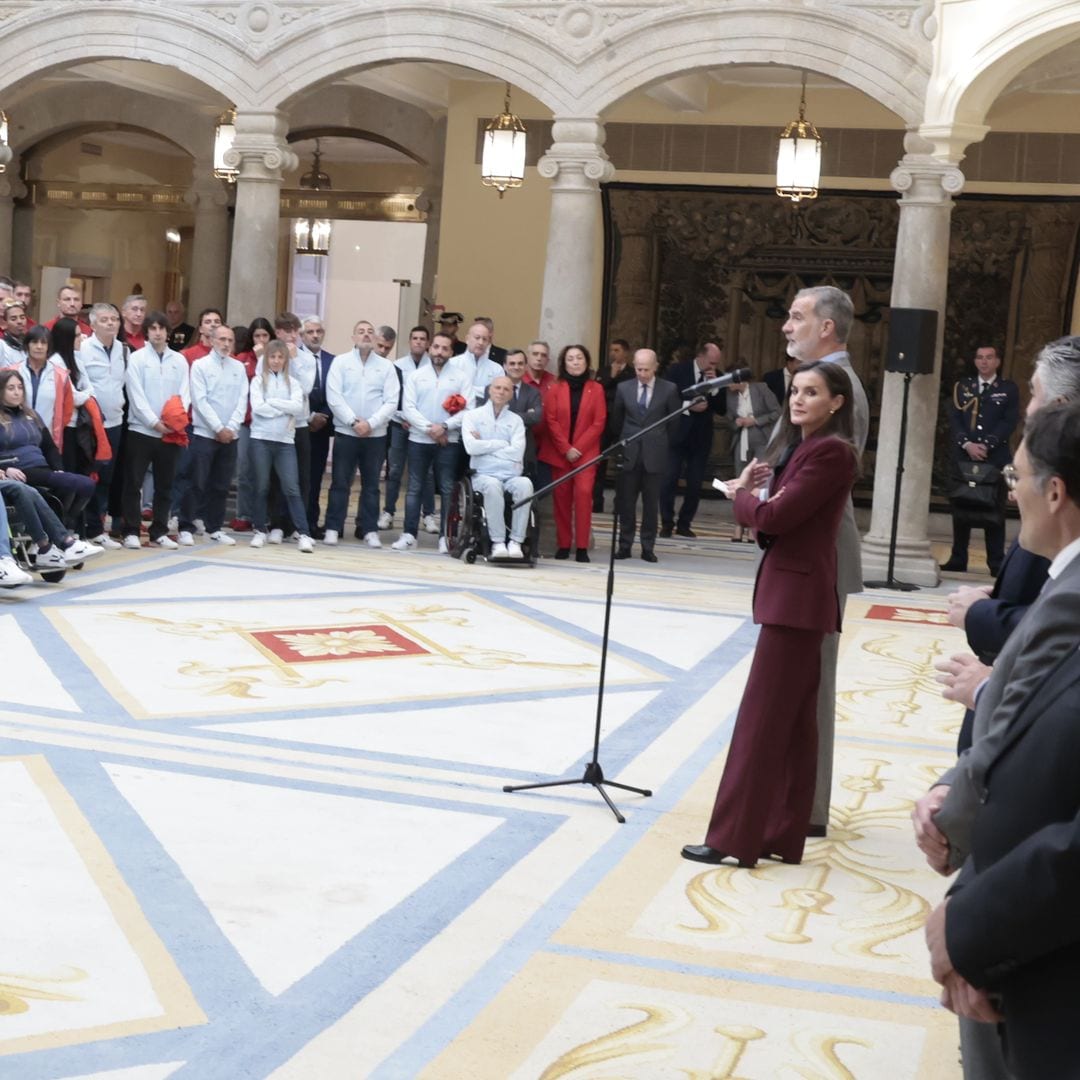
point(308, 285)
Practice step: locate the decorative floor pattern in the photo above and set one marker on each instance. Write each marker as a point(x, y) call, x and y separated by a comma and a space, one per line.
point(255, 827)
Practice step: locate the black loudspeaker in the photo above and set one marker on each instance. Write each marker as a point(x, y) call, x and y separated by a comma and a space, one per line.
point(912, 340)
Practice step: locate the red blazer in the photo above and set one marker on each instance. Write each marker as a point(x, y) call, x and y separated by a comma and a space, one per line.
point(591, 420)
point(796, 580)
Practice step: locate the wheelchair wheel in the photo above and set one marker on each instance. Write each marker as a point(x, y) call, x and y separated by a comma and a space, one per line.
point(459, 522)
point(53, 576)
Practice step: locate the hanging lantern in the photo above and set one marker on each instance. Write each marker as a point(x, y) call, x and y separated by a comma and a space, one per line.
point(312, 235)
point(3, 140)
point(224, 137)
point(503, 163)
point(798, 158)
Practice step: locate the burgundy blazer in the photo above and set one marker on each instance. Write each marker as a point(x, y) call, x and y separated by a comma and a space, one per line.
point(796, 579)
point(591, 420)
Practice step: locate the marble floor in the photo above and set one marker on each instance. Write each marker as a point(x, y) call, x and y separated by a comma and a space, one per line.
point(256, 827)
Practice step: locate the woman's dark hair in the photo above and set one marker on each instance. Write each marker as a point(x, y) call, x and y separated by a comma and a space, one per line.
point(65, 333)
point(39, 333)
point(841, 424)
point(562, 361)
point(5, 377)
point(244, 342)
point(259, 323)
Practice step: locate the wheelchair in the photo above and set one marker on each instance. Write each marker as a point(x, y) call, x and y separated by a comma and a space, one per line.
point(467, 532)
point(23, 548)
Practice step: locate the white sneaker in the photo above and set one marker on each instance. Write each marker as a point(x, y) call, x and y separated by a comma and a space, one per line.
point(80, 551)
point(330, 537)
point(224, 539)
point(513, 550)
point(306, 544)
point(444, 547)
point(185, 539)
point(404, 542)
point(498, 551)
point(106, 542)
point(200, 528)
point(132, 542)
point(430, 524)
point(53, 559)
point(276, 536)
point(386, 520)
point(165, 541)
point(12, 575)
point(258, 539)
point(372, 540)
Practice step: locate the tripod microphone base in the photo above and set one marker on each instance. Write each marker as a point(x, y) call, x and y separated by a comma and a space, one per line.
point(594, 775)
point(899, 586)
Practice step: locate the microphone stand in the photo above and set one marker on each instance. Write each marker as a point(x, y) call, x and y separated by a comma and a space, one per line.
point(594, 773)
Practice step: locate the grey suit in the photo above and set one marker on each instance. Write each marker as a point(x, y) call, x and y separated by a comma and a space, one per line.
point(848, 580)
point(1046, 633)
point(765, 409)
point(645, 461)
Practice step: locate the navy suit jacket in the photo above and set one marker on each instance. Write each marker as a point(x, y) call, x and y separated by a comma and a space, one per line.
point(695, 428)
point(990, 622)
point(317, 397)
point(774, 380)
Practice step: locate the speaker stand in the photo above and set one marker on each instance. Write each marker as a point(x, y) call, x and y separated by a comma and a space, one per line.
point(890, 582)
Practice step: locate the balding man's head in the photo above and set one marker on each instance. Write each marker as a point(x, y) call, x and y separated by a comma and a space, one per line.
point(645, 365)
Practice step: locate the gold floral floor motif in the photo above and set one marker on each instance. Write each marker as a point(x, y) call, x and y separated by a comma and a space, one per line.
point(671, 970)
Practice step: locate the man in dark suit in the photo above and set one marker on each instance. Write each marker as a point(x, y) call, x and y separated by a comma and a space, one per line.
point(983, 415)
point(639, 403)
point(180, 332)
point(693, 440)
point(1013, 800)
point(527, 403)
point(779, 380)
point(320, 421)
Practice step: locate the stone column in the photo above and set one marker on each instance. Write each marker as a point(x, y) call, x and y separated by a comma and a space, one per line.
point(262, 156)
point(209, 201)
point(920, 278)
point(430, 201)
point(576, 164)
point(11, 188)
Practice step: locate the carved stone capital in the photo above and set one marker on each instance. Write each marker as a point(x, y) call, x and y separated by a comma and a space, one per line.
point(207, 192)
point(576, 160)
point(260, 151)
point(11, 186)
point(926, 180)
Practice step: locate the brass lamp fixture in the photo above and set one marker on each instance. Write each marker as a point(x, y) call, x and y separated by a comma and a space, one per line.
point(798, 157)
point(312, 235)
point(503, 162)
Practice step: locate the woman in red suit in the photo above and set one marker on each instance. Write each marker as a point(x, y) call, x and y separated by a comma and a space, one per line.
point(574, 418)
point(763, 805)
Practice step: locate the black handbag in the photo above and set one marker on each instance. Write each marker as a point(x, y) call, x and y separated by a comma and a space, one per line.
point(977, 487)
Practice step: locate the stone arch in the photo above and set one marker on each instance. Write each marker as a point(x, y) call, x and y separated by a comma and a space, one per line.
point(45, 37)
point(864, 51)
point(323, 132)
point(355, 111)
point(965, 98)
point(60, 112)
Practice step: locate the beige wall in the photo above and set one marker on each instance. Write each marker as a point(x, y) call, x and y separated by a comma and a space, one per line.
point(492, 250)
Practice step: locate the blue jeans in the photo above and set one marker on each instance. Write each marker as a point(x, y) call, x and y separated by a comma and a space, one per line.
point(352, 453)
point(245, 475)
point(182, 476)
point(422, 458)
point(396, 454)
point(281, 457)
point(35, 514)
point(213, 464)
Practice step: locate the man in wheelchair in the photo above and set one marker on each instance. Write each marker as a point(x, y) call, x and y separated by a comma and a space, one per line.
point(494, 439)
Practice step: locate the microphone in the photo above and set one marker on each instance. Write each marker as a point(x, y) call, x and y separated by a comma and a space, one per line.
point(739, 376)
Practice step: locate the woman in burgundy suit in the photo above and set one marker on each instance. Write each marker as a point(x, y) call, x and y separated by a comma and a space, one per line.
point(574, 418)
point(763, 805)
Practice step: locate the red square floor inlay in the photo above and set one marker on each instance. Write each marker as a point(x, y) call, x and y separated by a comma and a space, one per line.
point(907, 614)
point(308, 644)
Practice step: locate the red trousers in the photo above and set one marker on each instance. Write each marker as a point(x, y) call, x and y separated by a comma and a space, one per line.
point(575, 496)
point(767, 790)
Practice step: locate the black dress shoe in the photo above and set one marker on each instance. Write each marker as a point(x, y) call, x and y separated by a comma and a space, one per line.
point(622, 553)
point(665, 532)
point(685, 530)
point(562, 553)
point(582, 555)
point(953, 566)
point(816, 832)
point(704, 853)
point(648, 556)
